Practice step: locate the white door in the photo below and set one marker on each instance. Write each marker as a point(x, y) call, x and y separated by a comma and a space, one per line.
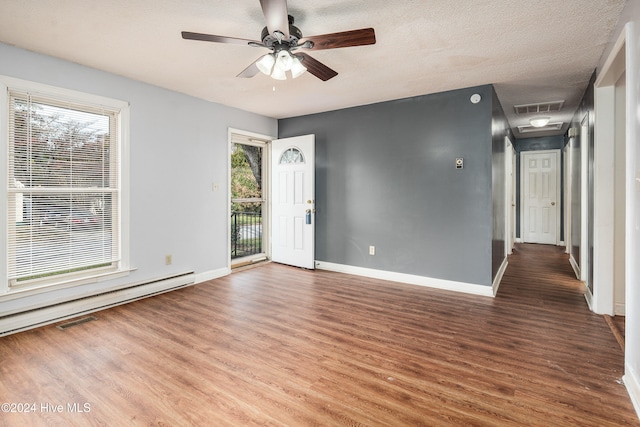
point(540, 196)
point(293, 201)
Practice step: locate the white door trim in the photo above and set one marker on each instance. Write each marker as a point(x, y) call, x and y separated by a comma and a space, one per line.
point(604, 176)
point(266, 153)
point(567, 195)
point(584, 198)
point(509, 197)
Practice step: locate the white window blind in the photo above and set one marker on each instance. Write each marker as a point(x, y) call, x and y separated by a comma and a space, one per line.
point(63, 189)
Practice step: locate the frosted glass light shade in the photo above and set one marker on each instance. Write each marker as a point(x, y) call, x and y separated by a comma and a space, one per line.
point(297, 69)
point(265, 64)
point(284, 60)
point(278, 73)
point(538, 122)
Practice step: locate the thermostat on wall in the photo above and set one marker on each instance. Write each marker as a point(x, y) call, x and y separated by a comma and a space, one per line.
point(475, 98)
point(459, 163)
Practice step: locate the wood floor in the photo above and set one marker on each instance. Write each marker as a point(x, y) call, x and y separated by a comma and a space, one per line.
point(277, 345)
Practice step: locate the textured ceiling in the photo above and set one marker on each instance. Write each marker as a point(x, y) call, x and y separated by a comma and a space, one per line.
point(532, 51)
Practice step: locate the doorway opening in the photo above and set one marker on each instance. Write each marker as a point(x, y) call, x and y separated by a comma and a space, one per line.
point(249, 222)
point(613, 184)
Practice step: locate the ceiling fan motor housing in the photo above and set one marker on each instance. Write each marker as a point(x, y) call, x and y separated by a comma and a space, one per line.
point(270, 40)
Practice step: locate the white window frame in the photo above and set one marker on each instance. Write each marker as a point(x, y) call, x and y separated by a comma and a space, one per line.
point(65, 95)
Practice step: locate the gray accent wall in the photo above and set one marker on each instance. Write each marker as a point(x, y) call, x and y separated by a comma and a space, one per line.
point(386, 176)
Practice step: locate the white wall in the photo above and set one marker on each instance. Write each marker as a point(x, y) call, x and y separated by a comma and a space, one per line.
point(178, 149)
point(631, 14)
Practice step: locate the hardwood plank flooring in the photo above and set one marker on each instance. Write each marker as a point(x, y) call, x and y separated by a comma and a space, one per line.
point(276, 345)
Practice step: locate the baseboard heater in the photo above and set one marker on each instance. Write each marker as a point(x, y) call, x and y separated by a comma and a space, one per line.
point(25, 320)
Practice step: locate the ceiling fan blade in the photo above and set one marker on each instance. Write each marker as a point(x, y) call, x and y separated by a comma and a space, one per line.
point(250, 71)
point(316, 67)
point(218, 39)
point(350, 38)
point(276, 15)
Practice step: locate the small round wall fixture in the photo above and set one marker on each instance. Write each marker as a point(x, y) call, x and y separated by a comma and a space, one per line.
point(475, 98)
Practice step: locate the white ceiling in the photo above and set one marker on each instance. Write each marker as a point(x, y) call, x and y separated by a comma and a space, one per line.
point(532, 51)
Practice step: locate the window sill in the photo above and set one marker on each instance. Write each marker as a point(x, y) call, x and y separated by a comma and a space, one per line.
point(15, 293)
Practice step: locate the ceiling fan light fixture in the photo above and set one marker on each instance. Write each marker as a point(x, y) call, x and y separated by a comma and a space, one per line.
point(284, 60)
point(538, 122)
point(265, 64)
point(297, 69)
point(278, 73)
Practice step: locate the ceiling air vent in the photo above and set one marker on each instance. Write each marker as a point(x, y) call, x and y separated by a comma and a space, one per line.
point(542, 107)
point(549, 126)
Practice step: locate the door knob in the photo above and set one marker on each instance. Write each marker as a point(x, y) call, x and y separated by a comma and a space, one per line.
point(553, 203)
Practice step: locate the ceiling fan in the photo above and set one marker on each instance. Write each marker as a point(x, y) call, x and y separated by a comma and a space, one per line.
point(284, 40)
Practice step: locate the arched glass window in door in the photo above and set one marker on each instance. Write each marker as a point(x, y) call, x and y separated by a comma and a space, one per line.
point(291, 155)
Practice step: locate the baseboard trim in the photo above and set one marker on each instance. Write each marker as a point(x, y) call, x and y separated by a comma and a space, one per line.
point(498, 278)
point(212, 274)
point(469, 288)
point(589, 297)
point(575, 266)
point(630, 380)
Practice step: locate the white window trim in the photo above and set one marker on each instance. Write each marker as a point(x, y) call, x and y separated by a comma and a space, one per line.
point(7, 83)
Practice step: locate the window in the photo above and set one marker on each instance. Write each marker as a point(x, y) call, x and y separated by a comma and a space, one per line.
point(291, 155)
point(64, 186)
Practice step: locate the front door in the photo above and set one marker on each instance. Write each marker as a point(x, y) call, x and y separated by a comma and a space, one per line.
point(293, 201)
point(540, 196)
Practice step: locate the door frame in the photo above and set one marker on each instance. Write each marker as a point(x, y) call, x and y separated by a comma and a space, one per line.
point(585, 262)
point(558, 192)
point(602, 301)
point(265, 142)
point(566, 179)
point(510, 204)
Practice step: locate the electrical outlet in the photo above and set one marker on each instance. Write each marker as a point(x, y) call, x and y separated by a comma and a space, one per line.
point(167, 260)
point(372, 250)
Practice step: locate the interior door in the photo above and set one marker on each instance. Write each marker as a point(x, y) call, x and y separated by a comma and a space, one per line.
point(540, 196)
point(293, 201)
